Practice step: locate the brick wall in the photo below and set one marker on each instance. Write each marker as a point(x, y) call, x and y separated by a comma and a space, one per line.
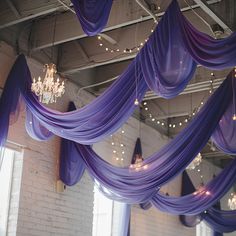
point(43, 211)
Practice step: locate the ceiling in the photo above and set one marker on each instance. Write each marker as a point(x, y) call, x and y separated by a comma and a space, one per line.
point(48, 30)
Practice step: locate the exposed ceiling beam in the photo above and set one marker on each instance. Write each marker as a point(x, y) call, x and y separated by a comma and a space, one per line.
point(13, 8)
point(81, 50)
point(29, 17)
point(145, 8)
point(190, 88)
point(66, 6)
point(93, 64)
point(68, 27)
point(217, 18)
point(171, 115)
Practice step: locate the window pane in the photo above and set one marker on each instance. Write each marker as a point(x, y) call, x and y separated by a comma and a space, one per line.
point(5, 183)
point(102, 214)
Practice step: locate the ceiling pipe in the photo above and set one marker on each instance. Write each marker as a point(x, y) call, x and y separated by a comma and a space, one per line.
point(147, 10)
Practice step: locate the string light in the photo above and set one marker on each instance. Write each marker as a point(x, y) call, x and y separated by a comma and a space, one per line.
point(185, 120)
point(126, 50)
point(136, 102)
point(118, 146)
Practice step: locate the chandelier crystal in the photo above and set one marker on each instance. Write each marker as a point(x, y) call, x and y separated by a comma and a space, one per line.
point(196, 162)
point(48, 89)
point(232, 201)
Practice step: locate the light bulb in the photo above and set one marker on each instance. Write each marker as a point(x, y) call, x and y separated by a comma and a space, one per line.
point(136, 102)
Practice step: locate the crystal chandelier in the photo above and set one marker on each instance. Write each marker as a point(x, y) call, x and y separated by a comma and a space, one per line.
point(196, 162)
point(48, 89)
point(232, 201)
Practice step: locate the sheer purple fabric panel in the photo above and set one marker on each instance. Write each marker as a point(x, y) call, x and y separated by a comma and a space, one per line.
point(133, 186)
point(225, 134)
point(35, 129)
point(165, 61)
point(205, 50)
point(218, 220)
point(188, 188)
point(71, 167)
point(221, 221)
point(9, 101)
point(164, 165)
point(92, 14)
point(93, 122)
point(203, 198)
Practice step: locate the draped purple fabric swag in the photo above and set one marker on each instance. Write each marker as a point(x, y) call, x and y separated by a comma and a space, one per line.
point(92, 14)
point(220, 221)
point(165, 65)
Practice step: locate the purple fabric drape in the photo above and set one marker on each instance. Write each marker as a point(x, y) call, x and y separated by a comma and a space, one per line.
point(220, 221)
point(108, 112)
point(174, 50)
point(93, 122)
point(92, 14)
point(35, 129)
point(188, 188)
point(163, 166)
point(225, 134)
point(71, 167)
point(166, 63)
point(204, 198)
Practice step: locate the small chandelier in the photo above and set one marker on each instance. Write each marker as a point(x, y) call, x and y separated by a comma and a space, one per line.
point(232, 201)
point(138, 165)
point(196, 162)
point(49, 89)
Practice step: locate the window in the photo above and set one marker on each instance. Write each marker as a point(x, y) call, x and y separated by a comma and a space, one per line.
point(102, 214)
point(9, 159)
point(203, 229)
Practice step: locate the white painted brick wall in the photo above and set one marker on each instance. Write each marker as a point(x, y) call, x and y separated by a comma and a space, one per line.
point(43, 211)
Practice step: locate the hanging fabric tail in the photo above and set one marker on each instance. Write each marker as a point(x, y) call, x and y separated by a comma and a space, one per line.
point(215, 233)
point(137, 151)
point(188, 188)
point(71, 167)
point(193, 220)
point(137, 156)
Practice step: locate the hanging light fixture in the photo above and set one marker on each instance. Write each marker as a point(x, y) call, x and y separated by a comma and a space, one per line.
point(196, 162)
point(232, 201)
point(48, 89)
